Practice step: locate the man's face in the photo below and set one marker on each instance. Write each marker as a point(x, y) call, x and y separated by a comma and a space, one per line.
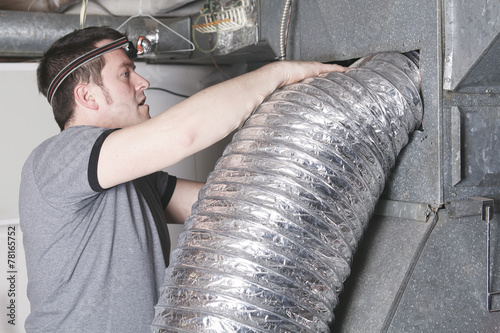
point(122, 98)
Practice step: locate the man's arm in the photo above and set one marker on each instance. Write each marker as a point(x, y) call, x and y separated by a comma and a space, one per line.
point(195, 123)
point(183, 198)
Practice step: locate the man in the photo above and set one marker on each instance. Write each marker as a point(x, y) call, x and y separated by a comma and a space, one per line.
point(93, 203)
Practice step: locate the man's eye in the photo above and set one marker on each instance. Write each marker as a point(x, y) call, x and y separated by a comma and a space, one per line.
point(126, 74)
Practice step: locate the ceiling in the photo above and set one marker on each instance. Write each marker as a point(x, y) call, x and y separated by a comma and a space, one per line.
point(30, 26)
point(104, 7)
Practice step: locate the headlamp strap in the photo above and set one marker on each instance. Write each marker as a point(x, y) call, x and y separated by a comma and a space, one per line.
point(72, 66)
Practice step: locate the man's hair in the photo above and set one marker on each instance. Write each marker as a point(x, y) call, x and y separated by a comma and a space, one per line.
point(60, 54)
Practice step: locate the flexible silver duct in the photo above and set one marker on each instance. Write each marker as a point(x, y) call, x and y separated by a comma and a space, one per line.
point(271, 239)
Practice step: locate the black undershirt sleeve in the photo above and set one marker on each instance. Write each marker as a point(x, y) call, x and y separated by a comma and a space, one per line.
point(169, 191)
point(94, 158)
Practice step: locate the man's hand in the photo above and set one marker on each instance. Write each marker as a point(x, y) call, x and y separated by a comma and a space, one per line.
point(296, 71)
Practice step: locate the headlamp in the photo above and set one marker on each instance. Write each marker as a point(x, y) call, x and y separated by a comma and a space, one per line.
point(143, 47)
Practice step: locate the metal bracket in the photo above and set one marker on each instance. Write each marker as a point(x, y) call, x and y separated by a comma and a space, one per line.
point(487, 216)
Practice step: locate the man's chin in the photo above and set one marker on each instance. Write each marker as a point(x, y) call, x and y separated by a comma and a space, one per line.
point(144, 112)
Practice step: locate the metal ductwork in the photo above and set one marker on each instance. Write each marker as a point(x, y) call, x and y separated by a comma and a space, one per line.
point(271, 239)
point(424, 261)
point(26, 34)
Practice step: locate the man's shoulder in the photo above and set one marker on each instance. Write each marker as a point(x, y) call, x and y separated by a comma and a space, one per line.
point(72, 135)
point(80, 132)
point(70, 142)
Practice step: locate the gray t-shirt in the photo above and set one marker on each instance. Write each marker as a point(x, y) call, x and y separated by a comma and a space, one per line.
point(94, 257)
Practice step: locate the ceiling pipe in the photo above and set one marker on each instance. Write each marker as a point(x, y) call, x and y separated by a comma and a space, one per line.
point(29, 34)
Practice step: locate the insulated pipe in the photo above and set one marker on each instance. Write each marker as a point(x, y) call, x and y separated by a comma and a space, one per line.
point(30, 34)
point(271, 238)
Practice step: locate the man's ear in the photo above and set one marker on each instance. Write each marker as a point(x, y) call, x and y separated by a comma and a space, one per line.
point(84, 96)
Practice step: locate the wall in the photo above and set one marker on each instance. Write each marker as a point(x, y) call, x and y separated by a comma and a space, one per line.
point(27, 120)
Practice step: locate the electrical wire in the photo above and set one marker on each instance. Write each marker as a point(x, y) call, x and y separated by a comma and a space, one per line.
point(213, 8)
point(83, 13)
point(209, 7)
point(284, 26)
point(215, 63)
point(218, 68)
point(168, 91)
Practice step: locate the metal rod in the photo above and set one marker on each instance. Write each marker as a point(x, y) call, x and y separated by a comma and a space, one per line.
point(488, 259)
